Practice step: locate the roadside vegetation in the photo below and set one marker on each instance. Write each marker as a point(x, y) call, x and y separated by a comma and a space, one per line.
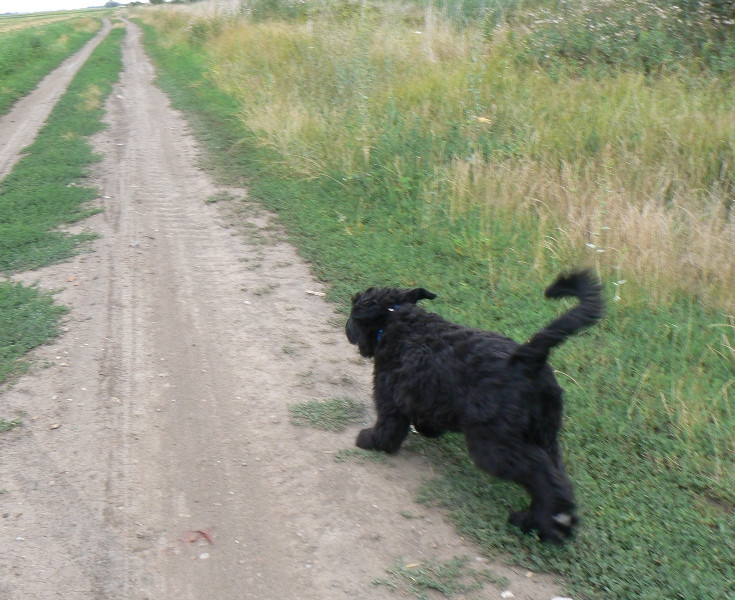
point(477, 149)
point(29, 50)
point(335, 414)
point(447, 578)
point(606, 134)
point(28, 317)
point(46, 190)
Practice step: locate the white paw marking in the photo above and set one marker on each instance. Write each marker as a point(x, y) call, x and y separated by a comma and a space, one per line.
point(564, 519)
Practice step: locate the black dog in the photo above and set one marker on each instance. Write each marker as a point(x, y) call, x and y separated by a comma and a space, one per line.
point(503, 396)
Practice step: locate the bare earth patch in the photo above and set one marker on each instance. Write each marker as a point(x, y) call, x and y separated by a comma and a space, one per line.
point(157, 458)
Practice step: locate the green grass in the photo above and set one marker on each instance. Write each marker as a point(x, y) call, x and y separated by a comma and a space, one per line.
point(335, 414)
point(44, 191)
point(29, 54)
point(650, 415)
point(448, 578)
point(7, 425)
point(28, 317)
point(46, 188)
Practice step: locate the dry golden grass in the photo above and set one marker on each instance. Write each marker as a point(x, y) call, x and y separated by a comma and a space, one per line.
point(629, 173)
point(91, 98)
point(15, 23)
point(668, 248)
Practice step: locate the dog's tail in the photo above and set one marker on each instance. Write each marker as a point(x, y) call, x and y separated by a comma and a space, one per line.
point(583, 285)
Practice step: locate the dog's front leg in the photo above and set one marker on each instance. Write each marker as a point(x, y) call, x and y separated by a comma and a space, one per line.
point(387, 434)
point(392, 425)
point(390, 429)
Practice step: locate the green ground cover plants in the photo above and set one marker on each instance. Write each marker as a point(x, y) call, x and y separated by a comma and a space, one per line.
point(448, 578)
point(44, 191)
point(335, 414)
point(7, 425)
point(28, 54)
point(453, 159)
point(28, 317)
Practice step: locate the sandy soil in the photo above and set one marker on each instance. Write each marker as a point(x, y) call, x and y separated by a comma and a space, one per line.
point(161, 413)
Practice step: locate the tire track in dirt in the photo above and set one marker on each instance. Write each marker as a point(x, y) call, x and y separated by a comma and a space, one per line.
point(19, 127)
point(163, 409)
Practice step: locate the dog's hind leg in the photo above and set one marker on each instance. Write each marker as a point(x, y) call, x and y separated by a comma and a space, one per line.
point(552, 510)
point(552, 502)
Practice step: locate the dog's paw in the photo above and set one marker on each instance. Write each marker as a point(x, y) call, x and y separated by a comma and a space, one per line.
point(564, 520)
point(553, 531)
point(365, 439)
point(564, 524)
point(558, 528)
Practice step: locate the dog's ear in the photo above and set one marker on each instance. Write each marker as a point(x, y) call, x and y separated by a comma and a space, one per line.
point(416, 294)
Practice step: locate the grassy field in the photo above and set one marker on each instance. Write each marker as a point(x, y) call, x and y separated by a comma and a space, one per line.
point(477, 151)
point(30, 49)
point(44, 191)
point(14, 22)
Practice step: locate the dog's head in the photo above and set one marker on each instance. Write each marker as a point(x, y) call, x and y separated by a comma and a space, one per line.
point(373, 309)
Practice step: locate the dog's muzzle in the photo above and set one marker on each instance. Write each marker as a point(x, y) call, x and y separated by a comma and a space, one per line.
point(351, 331)
point(357, 337)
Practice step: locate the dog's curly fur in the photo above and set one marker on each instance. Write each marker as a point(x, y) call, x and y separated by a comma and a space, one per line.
point(439, 376)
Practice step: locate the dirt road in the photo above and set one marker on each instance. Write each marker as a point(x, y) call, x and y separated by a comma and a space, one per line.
point(157, 460)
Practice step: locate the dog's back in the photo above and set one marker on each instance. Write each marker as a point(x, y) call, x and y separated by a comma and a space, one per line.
point(443, 371)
